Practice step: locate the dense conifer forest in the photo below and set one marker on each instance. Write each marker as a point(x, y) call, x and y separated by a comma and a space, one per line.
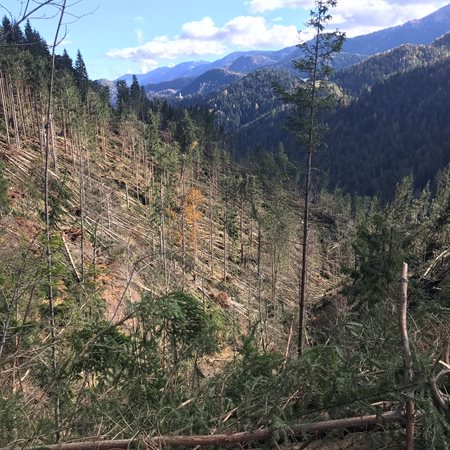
point(149, 278)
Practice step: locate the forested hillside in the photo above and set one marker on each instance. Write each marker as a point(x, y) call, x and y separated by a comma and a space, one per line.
point(149, 281)
point(398, 96)
point(399, 127)
point(379, 67)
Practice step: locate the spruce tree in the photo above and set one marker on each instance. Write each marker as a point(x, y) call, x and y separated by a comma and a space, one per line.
point(123, 99)
point(312, 95)
point(64, 62)
point(81, 76)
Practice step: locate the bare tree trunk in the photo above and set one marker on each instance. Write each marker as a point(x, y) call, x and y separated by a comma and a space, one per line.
point(241, 230)
point(14, 113)
point(5, 105)
point(21, 113)
point(82, 202)
point(224, 241)
point(49, 251)
point(409, 406)
point(126, 194)
point(210, 225)
point(183, 227)
point(162, 233)
point(303, 281)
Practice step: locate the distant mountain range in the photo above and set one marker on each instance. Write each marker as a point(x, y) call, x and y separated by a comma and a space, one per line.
point(177, 78)
point(422, 31)
point(396, 88)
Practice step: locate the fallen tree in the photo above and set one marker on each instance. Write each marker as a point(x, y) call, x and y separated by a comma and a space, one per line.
point(262, 434)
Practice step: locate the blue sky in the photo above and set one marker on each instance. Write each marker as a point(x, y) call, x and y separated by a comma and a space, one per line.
point(135, 36)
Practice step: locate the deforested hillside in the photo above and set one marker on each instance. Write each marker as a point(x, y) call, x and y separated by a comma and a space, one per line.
point(149, 283)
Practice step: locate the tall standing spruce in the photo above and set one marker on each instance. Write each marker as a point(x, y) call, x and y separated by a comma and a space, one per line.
point(313, 94)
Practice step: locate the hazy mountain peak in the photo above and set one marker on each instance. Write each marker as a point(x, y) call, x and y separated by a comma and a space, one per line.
point(419, 31)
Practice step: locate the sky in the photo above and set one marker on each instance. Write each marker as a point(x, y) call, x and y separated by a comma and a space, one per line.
point(136, 36)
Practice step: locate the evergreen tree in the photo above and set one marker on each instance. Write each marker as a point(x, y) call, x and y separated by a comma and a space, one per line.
point(135, 97)
point(35, 44)
point(123, 99)
point(64, 62)
point(81, 76)
point(309, 98)
point(10, 32)
point(186, 132)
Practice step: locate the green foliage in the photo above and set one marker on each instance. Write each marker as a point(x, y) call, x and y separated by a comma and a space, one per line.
point(103, 350)
point(194, 328)
point(13, 417)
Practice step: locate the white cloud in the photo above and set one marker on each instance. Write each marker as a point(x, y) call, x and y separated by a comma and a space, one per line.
point(164, 48)
point(139, 35)
point(360, 17)
point(253, 32)
point(203, 37)
point(201, 29)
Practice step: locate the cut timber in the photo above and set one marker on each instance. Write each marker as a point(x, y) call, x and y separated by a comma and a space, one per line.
point(263, 434)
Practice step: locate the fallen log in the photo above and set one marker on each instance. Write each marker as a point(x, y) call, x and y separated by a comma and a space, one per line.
point(262, 434)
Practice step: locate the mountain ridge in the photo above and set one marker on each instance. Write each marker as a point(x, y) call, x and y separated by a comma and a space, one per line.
point(419, 31)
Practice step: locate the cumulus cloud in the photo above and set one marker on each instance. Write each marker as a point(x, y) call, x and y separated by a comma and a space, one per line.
point(251, 31)
point(164, 48)
point(203, 38)
point(200, 29)
point(360, 17)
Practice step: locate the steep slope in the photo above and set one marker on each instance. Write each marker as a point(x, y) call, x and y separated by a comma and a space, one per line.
point(152, 289)
point(422, 31)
